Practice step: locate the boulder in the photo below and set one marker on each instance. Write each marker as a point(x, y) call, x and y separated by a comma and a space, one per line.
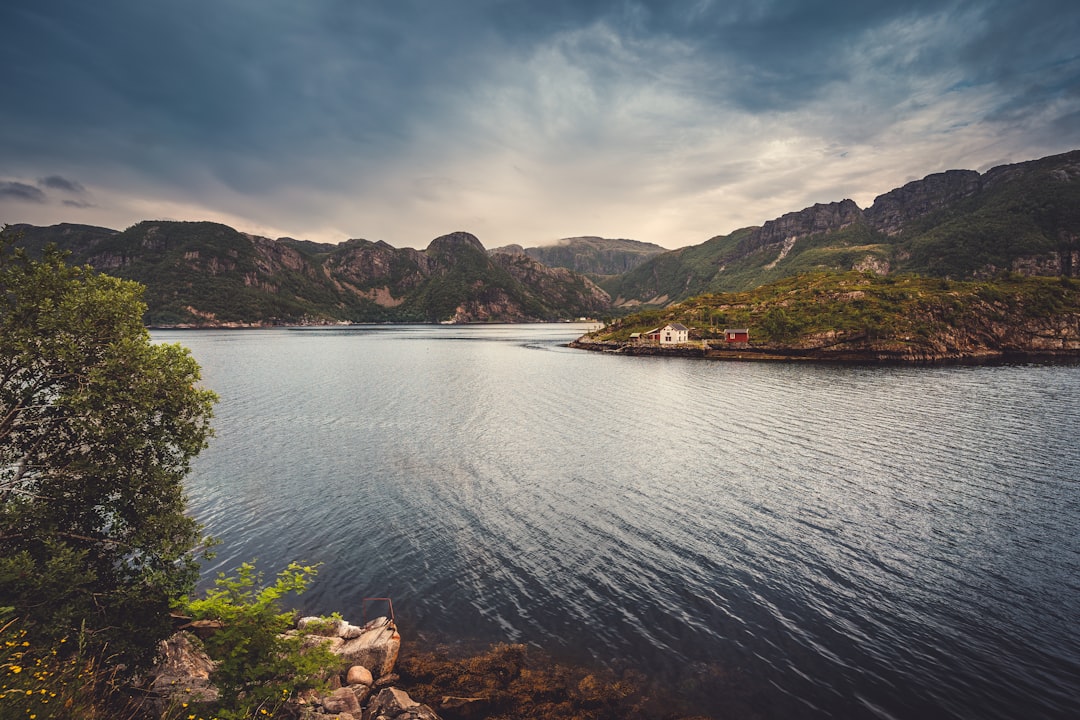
point(376, 647)
point(395, 704)
point(359, 675)
point(182, 675)
point(341, 700)
point(324, 627)
point(329, 627)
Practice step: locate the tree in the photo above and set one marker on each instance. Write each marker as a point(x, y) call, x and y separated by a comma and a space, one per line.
point(98, 426)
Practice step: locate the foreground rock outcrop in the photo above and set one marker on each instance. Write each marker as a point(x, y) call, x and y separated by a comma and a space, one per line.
point(362, 689)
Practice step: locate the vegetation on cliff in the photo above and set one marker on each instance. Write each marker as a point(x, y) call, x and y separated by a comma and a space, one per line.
point(959, 225)
point(861, 313)
point(206, 274)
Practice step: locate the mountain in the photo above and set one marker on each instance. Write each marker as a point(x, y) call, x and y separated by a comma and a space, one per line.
point(959, 224)
point(589, 255)
point(208, 274)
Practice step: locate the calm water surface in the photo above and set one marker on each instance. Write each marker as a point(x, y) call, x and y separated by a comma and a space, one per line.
point(780, 540)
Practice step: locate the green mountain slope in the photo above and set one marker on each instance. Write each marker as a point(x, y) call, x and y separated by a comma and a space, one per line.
point(958, 224)
point(208, 274)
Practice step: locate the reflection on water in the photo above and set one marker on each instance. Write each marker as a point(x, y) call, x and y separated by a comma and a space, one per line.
point(847, 541)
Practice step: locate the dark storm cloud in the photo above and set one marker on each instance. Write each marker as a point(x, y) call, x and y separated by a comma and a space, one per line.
point(21, 192)
point(55, 182)
point(354, 102)
point(155, 81)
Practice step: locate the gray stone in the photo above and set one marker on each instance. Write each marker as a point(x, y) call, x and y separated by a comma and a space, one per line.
point(376, 648)
point(343, 700)
point(326, 627)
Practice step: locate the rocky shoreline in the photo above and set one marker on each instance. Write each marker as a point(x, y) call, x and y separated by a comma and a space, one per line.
point(364, 689)
point(868, 354)
point(432, 682)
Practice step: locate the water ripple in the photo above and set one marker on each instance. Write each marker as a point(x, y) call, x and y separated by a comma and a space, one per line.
point(847, 541)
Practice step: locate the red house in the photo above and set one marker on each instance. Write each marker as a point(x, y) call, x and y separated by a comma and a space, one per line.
point(737, 335)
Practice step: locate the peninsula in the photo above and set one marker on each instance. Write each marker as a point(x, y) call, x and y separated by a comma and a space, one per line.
point(862, 317)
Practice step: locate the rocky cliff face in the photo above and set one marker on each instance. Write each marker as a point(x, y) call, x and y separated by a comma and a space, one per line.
point(958, 224)
point(789, 228)
point(557, 285)
point(891, 211)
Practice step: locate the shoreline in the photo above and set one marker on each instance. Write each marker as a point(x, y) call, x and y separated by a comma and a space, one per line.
point(745, 353)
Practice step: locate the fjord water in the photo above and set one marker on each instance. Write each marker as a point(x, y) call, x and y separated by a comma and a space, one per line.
point(775, 540)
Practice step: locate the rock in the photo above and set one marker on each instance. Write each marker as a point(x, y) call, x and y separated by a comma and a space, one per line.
point(793, 226)
point(323, 627)
point(385, 681)
point(362, 692)
point(343, 700)
point(893, 210)
point(359, 675)
point(349, 632)
point(312, 714)
point(329, 627)
point(376, 648)
point(396, 704)
point(183, 674)
point(466, 707)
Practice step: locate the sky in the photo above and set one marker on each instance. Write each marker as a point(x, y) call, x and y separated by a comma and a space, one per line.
point(521, 122)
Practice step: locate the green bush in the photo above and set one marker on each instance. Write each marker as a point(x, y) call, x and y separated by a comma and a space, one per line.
point(259, 667)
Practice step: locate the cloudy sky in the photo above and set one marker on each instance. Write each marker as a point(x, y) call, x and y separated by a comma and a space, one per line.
point(521, 122)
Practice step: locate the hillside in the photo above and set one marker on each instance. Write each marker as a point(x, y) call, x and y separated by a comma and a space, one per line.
point(593, 256)
point(207, 274)
point(958, 224)
point(864, 316)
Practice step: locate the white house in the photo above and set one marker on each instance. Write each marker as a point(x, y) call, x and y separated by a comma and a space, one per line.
point(674, 334)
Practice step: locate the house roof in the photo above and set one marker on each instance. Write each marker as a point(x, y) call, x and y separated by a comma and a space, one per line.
point(740, 331)
point(678, 326)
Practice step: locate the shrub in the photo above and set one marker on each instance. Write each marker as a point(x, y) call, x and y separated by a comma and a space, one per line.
point(259, 666)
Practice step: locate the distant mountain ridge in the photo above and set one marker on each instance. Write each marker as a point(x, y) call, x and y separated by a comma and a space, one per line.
point(590, 255)
point(1021, 218)
point(208, 274)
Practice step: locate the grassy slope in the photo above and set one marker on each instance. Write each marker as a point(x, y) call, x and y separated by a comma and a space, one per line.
point(904, 313)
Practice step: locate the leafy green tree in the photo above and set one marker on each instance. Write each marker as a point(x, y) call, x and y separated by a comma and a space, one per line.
point(98, 426)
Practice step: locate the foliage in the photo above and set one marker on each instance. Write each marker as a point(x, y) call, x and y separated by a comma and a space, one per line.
point(259, 666)
point(98, 426)
point(1018, 217)
point(860, 307)
point(61, 681)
